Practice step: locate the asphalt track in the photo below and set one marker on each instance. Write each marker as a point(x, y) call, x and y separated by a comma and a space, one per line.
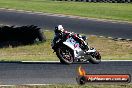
point(87, 26)
point(16, 73)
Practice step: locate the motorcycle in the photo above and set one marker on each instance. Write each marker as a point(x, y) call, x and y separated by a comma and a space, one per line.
point(68, 51)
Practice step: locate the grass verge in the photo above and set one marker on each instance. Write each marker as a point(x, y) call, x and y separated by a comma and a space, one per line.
point(112, 11)
point(75, 86)
point(109, 49)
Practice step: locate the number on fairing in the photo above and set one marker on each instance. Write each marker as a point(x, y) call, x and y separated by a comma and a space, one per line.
point(73, 42)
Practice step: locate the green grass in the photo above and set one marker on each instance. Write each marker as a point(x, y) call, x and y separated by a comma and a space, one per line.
point(35, 52)
point(112, 11)
point(112, 50)
point(109, 49)
point(75, 86)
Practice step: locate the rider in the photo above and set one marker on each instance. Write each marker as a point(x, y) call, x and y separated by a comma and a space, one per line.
point(81, 39)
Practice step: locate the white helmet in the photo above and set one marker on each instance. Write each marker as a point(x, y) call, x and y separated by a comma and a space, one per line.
point(59, 29)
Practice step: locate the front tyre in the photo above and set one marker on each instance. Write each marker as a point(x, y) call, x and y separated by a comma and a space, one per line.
point(95, 58)
point(65, 55)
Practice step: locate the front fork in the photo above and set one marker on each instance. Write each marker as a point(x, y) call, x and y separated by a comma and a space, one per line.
point(84, 55)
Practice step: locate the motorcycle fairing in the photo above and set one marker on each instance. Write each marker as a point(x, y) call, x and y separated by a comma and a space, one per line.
point(74, 45)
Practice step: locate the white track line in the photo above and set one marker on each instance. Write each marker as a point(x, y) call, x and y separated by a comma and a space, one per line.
point(59, 61)
point(114, 60)
point(36, 84)
point(26, 85)
point(42, 61)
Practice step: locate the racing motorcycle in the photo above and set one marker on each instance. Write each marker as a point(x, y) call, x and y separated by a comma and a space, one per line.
point(68, 51)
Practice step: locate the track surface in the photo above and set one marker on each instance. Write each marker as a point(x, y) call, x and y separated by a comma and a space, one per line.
point(116, 30)
point(52, 72)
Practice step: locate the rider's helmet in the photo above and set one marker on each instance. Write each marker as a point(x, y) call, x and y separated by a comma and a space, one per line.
point(59, 29)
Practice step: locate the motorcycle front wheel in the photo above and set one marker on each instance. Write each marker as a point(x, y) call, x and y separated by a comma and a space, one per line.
point(65, 55)
point(95, 58)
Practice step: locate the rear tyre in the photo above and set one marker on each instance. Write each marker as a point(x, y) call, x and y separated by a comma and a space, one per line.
point(95, 58)
point(65, 55)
